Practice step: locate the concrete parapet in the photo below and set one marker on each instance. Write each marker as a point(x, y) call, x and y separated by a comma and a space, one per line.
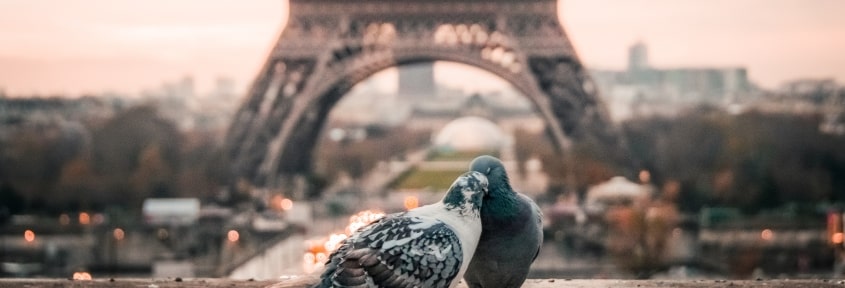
point(531, 283)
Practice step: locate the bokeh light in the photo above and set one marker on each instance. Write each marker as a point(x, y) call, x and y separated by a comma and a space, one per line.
point(645, 176)
point(84, 276)
point(84, 218)
point(411, 202)
point(837, 238)
point(361, 219)
point(118, 234)
point(280, 203)
point(334, 241)
point(317, 251)
point(233, 236)
point(767, 234)
point(29, 236)
point(287, 204)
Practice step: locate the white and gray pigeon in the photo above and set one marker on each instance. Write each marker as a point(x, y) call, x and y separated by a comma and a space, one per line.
point(512, 231)
point(429, 246)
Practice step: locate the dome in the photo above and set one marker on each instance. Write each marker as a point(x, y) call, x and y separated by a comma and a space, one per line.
point(616, 190)
point(470, 134)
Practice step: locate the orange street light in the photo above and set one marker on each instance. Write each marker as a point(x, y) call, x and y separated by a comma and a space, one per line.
point(84, 218)
point(837, 238)
point(82, 276)
point(233, 236)
point(118, 234)
point(29, 236)
point(411, 202)
point(767, 234)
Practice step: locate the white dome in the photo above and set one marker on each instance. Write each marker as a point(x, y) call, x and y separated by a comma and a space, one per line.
point(470, 134)
point(615, 189)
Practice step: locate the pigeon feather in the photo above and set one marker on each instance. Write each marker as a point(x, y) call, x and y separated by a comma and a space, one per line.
point(429, 246)
point(512, 231)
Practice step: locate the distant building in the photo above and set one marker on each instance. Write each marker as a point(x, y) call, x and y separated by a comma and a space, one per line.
point(510, 114)
point(417, 81)
point(638, 57)
point(470, 134)
point(175, 101)
point(812, 96)
point(192, 111)
point(644, 90)
point(815, 91)
point(171, 211)
point(20, 110)
point(214, 112)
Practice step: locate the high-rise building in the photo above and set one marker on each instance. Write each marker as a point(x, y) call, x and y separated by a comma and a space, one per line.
point(638, 57)
point(642, 89)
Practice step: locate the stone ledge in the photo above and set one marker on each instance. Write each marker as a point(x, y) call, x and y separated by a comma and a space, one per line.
point(306, 281)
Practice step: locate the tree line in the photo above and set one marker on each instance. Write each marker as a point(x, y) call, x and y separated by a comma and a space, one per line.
point(58, 165)
point(753, 161)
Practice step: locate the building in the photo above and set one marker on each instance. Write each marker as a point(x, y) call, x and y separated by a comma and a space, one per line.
point(638, 57)
point(417, 81)
point(815, 91)
point(643, 90)
point(509, 113)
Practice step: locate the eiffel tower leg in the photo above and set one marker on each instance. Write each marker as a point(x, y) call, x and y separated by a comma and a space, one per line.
point(576, 106)
point(277, 128)
point(257, 130)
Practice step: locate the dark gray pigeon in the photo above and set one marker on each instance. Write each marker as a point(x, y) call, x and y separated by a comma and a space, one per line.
point(512, 231)
point(429, 246)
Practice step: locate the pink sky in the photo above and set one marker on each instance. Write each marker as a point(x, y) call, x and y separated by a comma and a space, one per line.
point(79, 46)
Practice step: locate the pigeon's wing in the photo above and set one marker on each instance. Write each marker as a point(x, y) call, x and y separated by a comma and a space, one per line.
point(537, 214)
point(397, 251)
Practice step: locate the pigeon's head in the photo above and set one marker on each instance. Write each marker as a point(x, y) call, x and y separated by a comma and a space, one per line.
point(466, 194)
point(493, 168)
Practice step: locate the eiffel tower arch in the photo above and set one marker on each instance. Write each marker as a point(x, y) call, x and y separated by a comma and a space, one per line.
point(330, 45)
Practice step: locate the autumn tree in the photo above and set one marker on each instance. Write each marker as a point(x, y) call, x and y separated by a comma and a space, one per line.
point(134, 157)
point(752, 161)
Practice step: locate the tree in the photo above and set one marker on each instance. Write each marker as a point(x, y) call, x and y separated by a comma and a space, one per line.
point(34, 156)
point(135, 155)
point(753, 161)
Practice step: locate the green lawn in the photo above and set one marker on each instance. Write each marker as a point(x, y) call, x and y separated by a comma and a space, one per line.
point(439, 180)
point(458, 155)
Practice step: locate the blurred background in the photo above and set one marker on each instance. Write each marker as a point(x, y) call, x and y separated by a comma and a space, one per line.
point(114, 116)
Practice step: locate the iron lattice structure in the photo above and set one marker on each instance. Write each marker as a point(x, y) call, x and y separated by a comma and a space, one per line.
point(330, 45)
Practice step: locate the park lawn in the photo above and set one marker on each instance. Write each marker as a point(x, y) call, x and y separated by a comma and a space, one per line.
point(458, 155)
point(437, 180)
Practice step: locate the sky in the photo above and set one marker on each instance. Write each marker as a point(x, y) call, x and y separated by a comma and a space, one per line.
point(93, 46)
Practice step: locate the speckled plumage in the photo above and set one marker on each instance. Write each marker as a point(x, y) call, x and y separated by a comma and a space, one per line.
point(429, 246)
point(512, 231)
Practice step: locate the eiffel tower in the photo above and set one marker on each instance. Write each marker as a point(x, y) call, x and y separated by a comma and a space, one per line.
point(330, 45)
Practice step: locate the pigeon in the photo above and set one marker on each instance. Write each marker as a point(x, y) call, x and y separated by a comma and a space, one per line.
point(429, 246)
point(512, 231)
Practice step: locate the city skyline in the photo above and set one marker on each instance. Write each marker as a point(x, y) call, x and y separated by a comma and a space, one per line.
point(96, 46)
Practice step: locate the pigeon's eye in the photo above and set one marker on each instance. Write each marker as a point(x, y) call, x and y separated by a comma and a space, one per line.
point(488, 170)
